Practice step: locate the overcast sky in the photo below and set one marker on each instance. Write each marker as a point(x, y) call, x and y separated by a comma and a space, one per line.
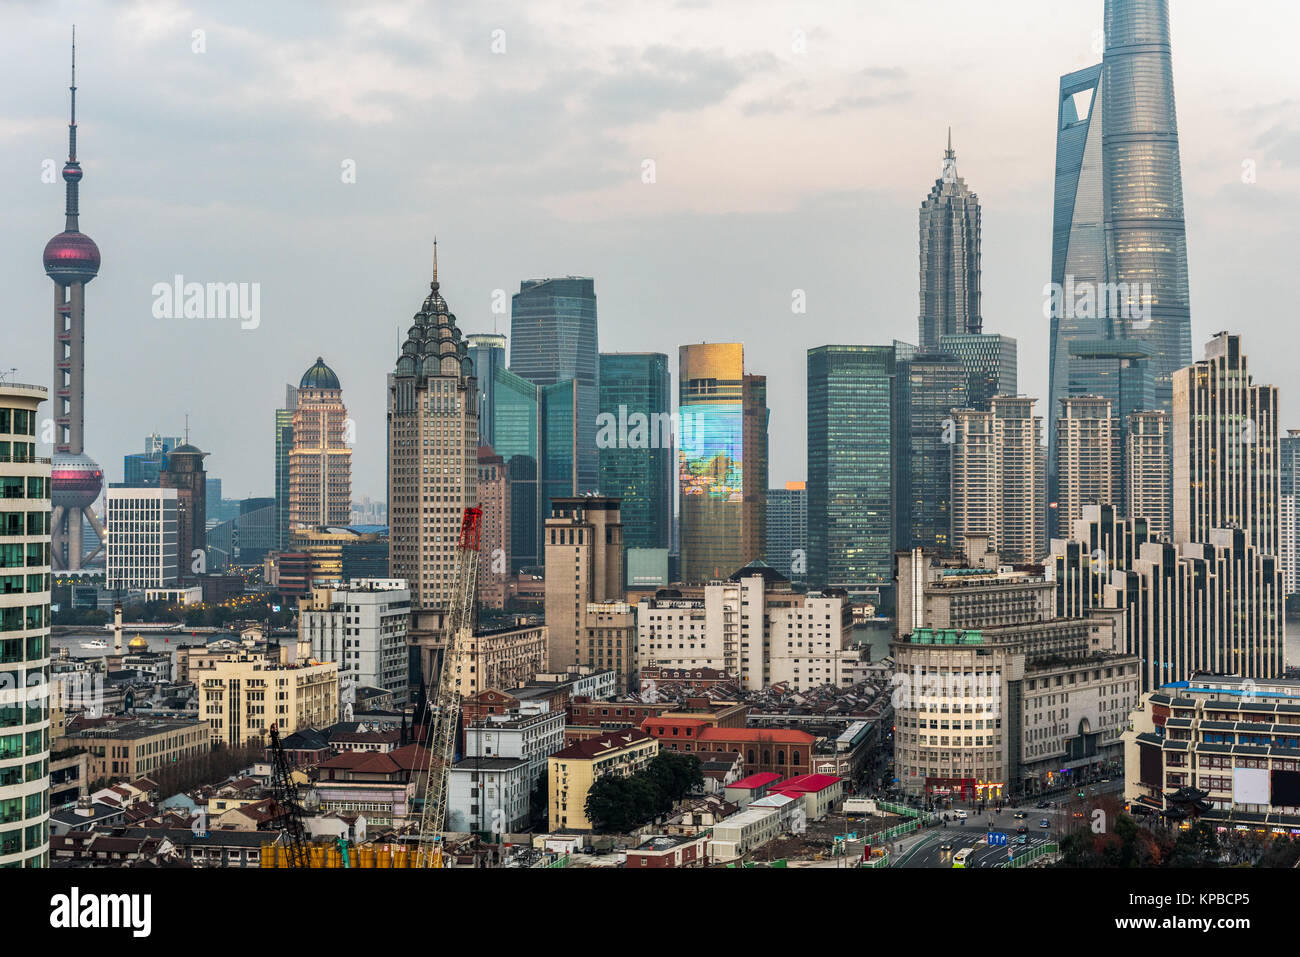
point(779, 165)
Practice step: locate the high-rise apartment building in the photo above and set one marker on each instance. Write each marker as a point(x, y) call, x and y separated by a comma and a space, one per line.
point(1148, 472)
point(1225, 439)
point(584, 565)
point(851, 467)
point(283, 446)
point(635, 442)
point(1215, 605)
point(721, 461)
point(997, 467)
point(1088, 464)
point(1289, 510)
point(928, 390)
point(553, 340)
point(320, 462)
point(24, 633)
point(950, 257)
point(787, 530)
point(142, 526)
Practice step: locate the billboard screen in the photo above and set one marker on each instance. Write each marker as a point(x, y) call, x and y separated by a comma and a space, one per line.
point(1286, 788)
point(1249, 785)
point(709, 451)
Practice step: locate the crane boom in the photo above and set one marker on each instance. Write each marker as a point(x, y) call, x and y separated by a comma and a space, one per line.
point(287, 817)
point(459, 632)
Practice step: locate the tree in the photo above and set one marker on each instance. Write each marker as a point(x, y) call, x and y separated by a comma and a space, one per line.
point(609, 804)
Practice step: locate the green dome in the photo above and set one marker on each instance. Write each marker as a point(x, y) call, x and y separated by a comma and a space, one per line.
point(319, 376)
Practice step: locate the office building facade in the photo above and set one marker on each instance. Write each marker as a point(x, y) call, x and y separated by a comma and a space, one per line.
point(787, 530)
point(143, 537)
point(320, 461)
point(950, 257)
point(721, 461)
point(851, 467)
point(635, 443)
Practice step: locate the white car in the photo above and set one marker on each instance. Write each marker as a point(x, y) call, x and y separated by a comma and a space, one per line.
point(961, 815)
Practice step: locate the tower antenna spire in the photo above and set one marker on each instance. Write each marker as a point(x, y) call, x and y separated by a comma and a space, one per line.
point(435, 262)
point(948, 153)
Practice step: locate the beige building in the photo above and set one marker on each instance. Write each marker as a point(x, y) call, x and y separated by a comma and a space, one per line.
point(572, 772)
point(432, 458)
point(997, 478)
point(320, 462)
point(754, 626)
point(609, 641)
point(1226, 456)
point(244, 692)
point(125, 750)
point(584, 564)
point(1148, 472)
point(1088, 467)
point(503, 658)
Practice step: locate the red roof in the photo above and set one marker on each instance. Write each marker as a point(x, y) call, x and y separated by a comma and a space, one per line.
point(757, 735)
point(807, 783)
point(756, 781)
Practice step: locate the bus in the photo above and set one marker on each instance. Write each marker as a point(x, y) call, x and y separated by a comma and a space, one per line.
point(959, 859)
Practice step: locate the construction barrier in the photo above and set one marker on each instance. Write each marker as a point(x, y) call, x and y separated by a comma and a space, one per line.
point(329, 855)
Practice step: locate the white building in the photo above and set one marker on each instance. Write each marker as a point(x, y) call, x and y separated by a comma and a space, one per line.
point(362, 626)
point(753, 626)
point(532, 733)
point(140, 524)
point(488, 795)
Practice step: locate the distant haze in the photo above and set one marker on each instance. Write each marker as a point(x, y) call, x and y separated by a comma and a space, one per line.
point(776, 170)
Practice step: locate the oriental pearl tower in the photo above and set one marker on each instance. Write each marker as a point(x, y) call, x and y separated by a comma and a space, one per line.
point(71, 260)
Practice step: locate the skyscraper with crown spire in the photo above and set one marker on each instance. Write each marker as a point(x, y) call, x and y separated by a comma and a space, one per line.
point(432, 464)
point(950, 257)
point(71, 259)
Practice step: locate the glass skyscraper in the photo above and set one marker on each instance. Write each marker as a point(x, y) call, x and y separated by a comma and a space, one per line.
point(1119, 246)
point(950, 257)
point(850, 467)
point(635, 443)
point(721, 461)
point(488, 353)
point(928, 389)
point(990, 363)
point(552, 340)
point(787, 530)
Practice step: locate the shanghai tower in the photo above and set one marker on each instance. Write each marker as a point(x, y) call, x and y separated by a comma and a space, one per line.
point(1120, 308)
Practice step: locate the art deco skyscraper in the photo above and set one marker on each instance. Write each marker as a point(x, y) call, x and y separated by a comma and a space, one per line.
point(432, 458)
point(71, 259)
point(950, 257)
point(320, 461)
point(1226, 455)
point(1148, 472)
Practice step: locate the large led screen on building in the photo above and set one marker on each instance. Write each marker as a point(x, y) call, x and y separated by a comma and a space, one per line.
point(709, 451)
point(1249, 785)
point(1286, 788)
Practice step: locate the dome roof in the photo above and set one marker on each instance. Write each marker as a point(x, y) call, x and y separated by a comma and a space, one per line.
point(319, 376)
point(71, 256)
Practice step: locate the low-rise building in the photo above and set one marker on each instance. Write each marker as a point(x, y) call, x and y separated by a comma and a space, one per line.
point(572, 771)
point(531, 733)
point(670, 851)
point(243, 693)
point(124, 750)
point(362, 627)
point(488, 795)
point(1236, 739)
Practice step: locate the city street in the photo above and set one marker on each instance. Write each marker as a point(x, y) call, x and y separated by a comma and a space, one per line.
point(926, 848)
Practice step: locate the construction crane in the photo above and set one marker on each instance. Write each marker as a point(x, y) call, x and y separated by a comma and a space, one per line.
point(459, 634)
point(287, 816)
